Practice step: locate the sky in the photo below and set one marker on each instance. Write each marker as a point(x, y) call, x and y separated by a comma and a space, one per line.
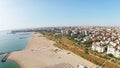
point(17, 14)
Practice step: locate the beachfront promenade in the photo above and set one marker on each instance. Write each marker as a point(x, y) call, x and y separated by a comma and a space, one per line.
point(40, 52)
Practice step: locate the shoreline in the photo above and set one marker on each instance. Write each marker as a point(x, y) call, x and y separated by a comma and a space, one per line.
point(41, 52)
point(16, 61)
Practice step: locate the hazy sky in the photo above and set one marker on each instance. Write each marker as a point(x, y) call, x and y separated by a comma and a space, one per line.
point(40, 13)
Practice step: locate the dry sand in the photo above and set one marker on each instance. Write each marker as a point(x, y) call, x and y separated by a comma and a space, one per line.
point(41, 53)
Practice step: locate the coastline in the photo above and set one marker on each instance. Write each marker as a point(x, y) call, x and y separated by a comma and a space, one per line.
point(40, 52)
point(15, 60)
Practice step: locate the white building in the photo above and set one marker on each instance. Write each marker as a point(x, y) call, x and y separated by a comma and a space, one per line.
point(115, 50)
point(117, 53)
point(111, 49)
point(98, 47)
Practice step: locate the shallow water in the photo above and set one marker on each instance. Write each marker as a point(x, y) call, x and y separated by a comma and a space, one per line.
point(10, 42)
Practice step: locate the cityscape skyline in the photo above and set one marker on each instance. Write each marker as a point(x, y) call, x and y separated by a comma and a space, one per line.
point(46, 13)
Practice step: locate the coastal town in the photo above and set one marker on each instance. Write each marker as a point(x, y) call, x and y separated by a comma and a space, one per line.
point(59, 33)
point(100, 39)
point(104, 41)
point(97, 44)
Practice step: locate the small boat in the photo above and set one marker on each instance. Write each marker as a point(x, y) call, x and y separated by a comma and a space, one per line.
point(22, 37)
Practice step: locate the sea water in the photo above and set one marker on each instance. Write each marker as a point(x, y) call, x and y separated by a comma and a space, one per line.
point(12, 42)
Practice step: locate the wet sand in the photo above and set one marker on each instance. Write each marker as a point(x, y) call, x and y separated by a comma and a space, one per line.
point(40, 52)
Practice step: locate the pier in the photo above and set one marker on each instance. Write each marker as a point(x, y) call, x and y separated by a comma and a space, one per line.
point(6, 55)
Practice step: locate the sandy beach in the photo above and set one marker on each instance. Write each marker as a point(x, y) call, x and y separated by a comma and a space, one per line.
point(41, 53)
